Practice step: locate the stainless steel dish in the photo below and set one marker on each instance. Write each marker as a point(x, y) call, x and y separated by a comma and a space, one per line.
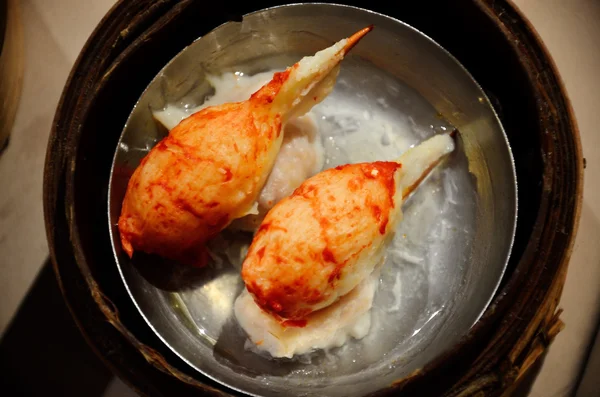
point(449, 253)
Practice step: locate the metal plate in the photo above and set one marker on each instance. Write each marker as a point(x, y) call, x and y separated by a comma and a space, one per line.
point(449, 253)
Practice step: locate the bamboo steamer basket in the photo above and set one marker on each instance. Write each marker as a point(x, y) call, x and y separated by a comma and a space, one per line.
point(490, 38)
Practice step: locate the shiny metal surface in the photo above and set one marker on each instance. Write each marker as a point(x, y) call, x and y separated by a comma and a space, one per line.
point(449, 253)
